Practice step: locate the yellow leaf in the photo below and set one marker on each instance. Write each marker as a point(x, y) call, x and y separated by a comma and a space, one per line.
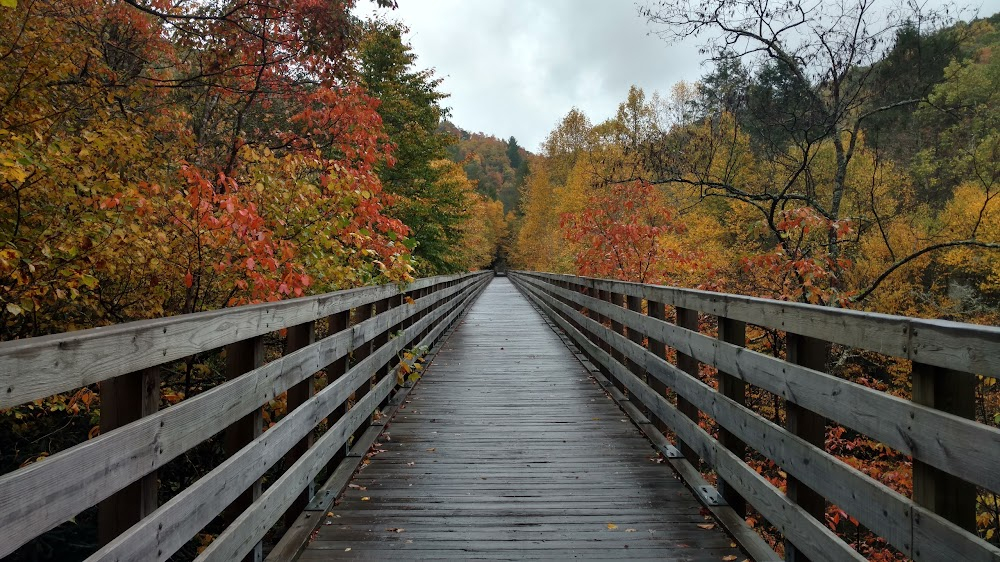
point(14, 309)
point(366, 498)
point(612, 526)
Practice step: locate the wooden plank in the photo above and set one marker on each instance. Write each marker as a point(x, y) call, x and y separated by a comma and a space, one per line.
point(34, 368)
point(125, 399)
point(299, 337)
point(38, 497)
point(963, 347)
point(880, 509)
point(157, 537)
point(952, 443)
point(946, 495)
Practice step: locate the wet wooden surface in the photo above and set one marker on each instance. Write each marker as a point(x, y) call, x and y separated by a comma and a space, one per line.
point(507, 449)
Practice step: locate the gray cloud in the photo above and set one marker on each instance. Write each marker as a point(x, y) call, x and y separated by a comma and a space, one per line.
point(516, 67)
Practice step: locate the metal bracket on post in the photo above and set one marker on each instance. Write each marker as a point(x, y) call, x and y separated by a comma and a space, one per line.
point(710, 496)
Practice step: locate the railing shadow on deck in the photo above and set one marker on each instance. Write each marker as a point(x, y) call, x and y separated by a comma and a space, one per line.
point(623, 328)
point(367, 330)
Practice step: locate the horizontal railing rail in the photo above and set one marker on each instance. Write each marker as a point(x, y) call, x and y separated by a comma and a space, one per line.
point(117, 469)
point(623, 329)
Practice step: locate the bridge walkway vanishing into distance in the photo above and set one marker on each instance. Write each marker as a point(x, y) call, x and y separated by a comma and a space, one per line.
point(560, 417)
point(508, 448)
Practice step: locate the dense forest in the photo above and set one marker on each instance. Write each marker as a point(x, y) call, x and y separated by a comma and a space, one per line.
point(852, 166)
point(161, 158)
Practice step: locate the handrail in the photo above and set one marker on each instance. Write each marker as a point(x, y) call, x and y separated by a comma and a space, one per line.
point(118, 467)
point(951, 453)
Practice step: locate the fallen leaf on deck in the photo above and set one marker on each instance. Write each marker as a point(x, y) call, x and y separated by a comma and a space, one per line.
point(729, 558)
point(612, 526)
point(629, 530)
point(432, 449)
point(348, 549)
point(706, 526)
point(395, 530)
point(366, 498)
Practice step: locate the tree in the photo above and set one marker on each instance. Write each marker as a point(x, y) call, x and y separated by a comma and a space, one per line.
point(816, 87)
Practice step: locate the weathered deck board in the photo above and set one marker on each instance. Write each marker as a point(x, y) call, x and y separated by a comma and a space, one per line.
point(507, 449)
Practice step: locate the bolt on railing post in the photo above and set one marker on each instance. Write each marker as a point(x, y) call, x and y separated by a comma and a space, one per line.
point(812, 353)
point(126, 399)
point(242, 357)
point(298, 337)
point(734, 332)
point(687, 319)
point(948, 496)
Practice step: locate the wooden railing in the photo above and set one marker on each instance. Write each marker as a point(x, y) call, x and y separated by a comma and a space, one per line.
point(624, 330)
point(117, 469)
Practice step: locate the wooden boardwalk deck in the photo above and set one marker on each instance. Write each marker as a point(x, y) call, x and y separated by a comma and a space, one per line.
point(507, 449)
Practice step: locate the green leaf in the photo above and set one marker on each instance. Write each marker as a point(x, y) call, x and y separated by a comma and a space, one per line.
point(8, 3)
point(89, 281)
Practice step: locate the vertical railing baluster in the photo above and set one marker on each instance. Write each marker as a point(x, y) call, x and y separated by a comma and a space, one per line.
point(688, 319)
point(734, 332)
point(337, 323)
point(242, 357)
point(812, 353)
point(618, 300)
point(126, 399)
point(948, 496)
point(659, 349)
point(635, 304)
point(298, 337)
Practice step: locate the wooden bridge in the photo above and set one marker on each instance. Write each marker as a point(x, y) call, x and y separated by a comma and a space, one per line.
point(560, 417)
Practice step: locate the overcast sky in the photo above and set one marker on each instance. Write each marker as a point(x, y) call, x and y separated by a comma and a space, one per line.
point(516, 67)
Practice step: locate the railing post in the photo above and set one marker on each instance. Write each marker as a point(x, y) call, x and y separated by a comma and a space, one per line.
point(635, 304)
point(394, 303)
point(734, 332)
point(299, 337)
point(337, 323)
point(659, 349)
point(687, 319)
point(618, 300)
point(126, 399)
point(811, 353)
point(361, 314)
point(948, 496)
point(242, 357)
